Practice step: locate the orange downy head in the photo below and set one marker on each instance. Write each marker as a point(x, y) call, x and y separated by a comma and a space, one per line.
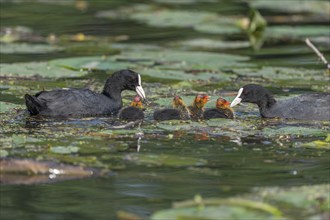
point(178, 101)
point(222, 103)
point(201, 100)
point(137, 102)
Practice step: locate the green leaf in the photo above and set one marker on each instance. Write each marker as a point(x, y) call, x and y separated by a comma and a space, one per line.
point(3, 153)
point(301, 6)
point(292, 130)
point(285, 31)
point(39, 69)
point(286, 76)
point(7, 106)
point(212, 44)
point(202, 21)
point(23, 48)
point(64, 150)
point(164, 160)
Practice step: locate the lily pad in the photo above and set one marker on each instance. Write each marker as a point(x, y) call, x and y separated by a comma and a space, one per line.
point(3, 153)
point(39, 69)
point(213, 44)
point(7, 106)
point(23, 48)
point(98, 63)
point(210, 213)
point(305, 200)
point(285, 31)
point(308, 199)
point(182, 1)
point(318, 144)
point(180, 75)
point(188, 59)
point(285, 75)
point(202, 21)
point(175, 125)
point(164, 160)
point(19, 33)
point(64, 150)
point(292, 130)
point(301, 6)
point(167, 64)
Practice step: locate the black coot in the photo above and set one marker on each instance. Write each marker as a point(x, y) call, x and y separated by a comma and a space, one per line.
point(70, 102)
point(133, 112)
point(222, 110)
point(314, 106)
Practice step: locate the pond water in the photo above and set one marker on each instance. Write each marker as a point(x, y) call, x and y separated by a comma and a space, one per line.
point(179, 48)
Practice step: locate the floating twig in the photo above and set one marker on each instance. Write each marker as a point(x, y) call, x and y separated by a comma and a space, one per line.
point(318, 53)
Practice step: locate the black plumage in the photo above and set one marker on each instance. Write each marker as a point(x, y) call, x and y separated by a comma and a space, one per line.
point(69, 102)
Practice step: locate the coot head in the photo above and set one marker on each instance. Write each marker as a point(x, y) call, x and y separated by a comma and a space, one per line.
point(253, 93)
point(200, 100)
point(178, 101)
point(222, 103)
point(125, 80)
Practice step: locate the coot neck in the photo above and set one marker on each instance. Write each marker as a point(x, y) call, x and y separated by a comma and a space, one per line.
point(265, 104)
point(113, 90)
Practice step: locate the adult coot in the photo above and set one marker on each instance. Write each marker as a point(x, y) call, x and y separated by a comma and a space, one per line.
point(68, 102)
point(133, 112)
point(222, 110)
point(197, 108)
point(178, 112)
point(308, 106)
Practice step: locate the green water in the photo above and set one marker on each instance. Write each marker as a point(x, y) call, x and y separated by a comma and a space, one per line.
point(176, 160)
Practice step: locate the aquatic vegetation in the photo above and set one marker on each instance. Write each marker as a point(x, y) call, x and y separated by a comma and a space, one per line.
point(178, 50)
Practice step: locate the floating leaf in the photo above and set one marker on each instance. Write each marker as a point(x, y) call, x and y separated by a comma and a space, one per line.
point(202, 21)
point(64, 150)
point(164, 160)
point(212, 44)
point(318, 144)
point(304, 200)
point(301, 6)
point(3, 153)
point(176, 125)
point(98, 63)
point(210, 213)
point(41, 69)
point(187, 59)
point(182, 1)
point(7, 106)
point(186, 76)
point(167, 64)
point(19, 33)
point(308, 199)
point(282, 31)
point(23, 48)
point(286, 76)
point(292, 130)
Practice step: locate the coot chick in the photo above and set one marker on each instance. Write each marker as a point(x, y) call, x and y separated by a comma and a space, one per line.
point(179, 104)
point(222, 110)
point(178, 112)
point(308, 106)
point(74, 102)
point(197, 108)
point(133, 112)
